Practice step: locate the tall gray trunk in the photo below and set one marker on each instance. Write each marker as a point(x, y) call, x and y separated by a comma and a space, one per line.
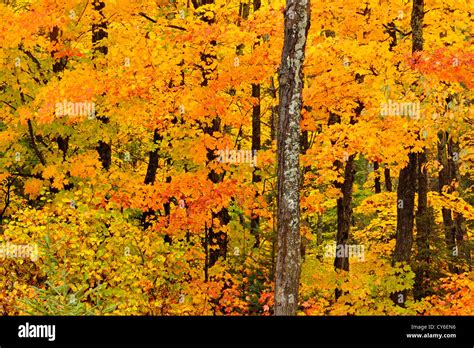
point(297, 23)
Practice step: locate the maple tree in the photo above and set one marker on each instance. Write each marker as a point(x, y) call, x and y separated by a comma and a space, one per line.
point(143, 146)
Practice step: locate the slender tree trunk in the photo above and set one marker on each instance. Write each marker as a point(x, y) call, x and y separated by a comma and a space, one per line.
point(444, 180)
point(344, 204)
point(297, 23)
point(377, 185)
point(58, 66)
point(407, 179)
point(99, 33)
point(460, 231)
point(256, 146)
point(215, 239)
point(274, 114)
point(344, 217)
point(150, 177)
point(388, 180)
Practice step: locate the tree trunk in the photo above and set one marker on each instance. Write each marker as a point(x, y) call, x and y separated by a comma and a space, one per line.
point(256, 145)
point(444, 180)
point(405, 214)
point(215, 239)
point(377, 186)
point(424, 221)
point(257, 4)
point(58, 66)
point(297, 23)
point(273, 115)
point(388, 180)
point(460, 231)
point(344, 217)
point(150, 177)
point(99, 32)
point(407, 179)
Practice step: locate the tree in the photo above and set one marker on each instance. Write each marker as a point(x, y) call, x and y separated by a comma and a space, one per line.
point(408, 175)
point(297, 23)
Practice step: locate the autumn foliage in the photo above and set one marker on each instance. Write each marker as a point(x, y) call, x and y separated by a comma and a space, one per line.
point(172, 228)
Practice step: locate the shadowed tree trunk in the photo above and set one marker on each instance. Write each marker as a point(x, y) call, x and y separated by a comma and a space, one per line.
point(274, 114)
point(150, 176)
point(99, 33)
point(344, 203)
point(405, 215)
point(388, 180)
point(377, 185)
point(216, 240)
point(407, 179)
point(460, 231)
point(256, 146)
point(444, 180)
point(424, 221)
point(424, 214)
point(297, 23)
point(344, 217)
point(58, 66)
point(256, 141)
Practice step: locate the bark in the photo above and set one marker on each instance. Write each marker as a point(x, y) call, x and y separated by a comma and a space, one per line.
point(377, 185)
point(99, 33)
point(198, 3)
point(388, 180)
point(58, 66)
point(417, 17)
point(407, 179)
point(33, 143)
point(444, 180)
point(274, 114)
point(257, 4)
point(150, 177)
point(256, 129)
point(256, 146)
point(424, 217)
point(153, 160)
point(215, 240)
point(344, 203)
point(405, 215)
point(344, 216)
point(424, 221)
point(460, 231)
point(297, 23)
point(244, 10)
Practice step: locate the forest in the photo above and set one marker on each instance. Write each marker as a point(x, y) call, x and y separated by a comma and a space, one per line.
point(236, 157)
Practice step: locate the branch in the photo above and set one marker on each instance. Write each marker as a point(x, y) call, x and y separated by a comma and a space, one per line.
point(154, 21)
point(7, 200)
point(34, 145)
point(3, 101)
point(145, 16)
